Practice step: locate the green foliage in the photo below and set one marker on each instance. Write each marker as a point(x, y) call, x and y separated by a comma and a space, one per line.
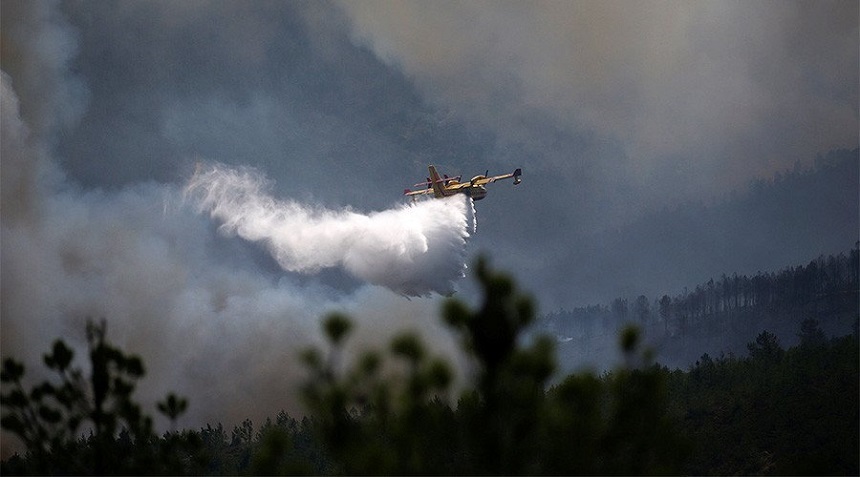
point(766, 348)
point(811, 335)
point(172, 407)
point(336, 327)
point(50, 417)
point(394, 411)
point(508, 423)
point(776, 412)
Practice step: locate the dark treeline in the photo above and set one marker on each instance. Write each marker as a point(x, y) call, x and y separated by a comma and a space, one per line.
point(723, 314)
point(395, 411)
point(781, 412)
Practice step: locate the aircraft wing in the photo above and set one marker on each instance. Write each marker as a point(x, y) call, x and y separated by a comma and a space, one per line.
point(413, 193)
point(448, 188)
point(489, 180)
point(457, 187)
point(444, 180)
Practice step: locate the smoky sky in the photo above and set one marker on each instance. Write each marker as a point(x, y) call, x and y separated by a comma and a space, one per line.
point(612, 109)
point(662, 79)
point(615, 111)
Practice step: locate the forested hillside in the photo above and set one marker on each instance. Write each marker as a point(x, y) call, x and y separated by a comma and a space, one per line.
point(396, 411)
point(777, 411)
point(718, 316)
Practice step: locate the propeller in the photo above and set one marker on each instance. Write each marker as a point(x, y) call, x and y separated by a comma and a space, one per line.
point(486, 174)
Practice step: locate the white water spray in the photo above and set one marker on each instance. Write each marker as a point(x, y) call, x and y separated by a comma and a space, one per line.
point(473, 217)
point(412, 249)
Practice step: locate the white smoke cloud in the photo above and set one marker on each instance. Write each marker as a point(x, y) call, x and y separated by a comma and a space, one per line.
point(411, 249)
point(39, 43)
point(208, 325)
point(720, 91)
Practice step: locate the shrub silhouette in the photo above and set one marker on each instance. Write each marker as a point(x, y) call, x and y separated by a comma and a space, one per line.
point(390, 411)
point(49, 417)
point(394, 410)
point(510, 422)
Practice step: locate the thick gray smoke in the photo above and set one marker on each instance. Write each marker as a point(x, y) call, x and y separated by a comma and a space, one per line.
point(703, 87)
point(209, 322)
point(617, 111)
point(412, 250)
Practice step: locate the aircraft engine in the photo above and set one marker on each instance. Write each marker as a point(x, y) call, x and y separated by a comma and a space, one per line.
point(477, 192)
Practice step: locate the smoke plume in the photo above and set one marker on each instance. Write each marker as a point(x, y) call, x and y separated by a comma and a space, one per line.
point(411, 249)
point(209, 322)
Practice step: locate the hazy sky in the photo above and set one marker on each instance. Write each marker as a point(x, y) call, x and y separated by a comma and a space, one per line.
point(613, 109)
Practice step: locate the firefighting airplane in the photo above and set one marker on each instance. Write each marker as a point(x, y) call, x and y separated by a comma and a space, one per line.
point(448, 186)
